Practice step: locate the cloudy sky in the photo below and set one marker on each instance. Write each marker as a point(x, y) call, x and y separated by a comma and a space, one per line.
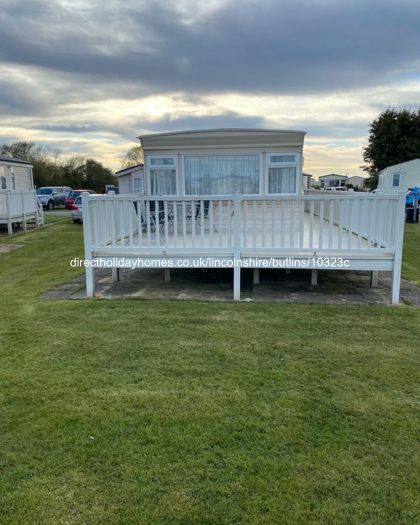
point(88, 76)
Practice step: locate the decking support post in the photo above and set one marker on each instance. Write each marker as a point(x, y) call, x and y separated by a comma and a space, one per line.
point(288, 270)
point(9, 214)
point(374, 277)
point(256, 276)
point(90, 270)
point(237, 247)
point(314, 277)
point(90, 281)
point(115, 274)
point(23, 211)
point(36, 211)
point(167, 275)
point(398, 246)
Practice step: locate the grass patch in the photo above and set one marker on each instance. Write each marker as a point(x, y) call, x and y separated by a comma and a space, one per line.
point(411, 257)
point(134, 411)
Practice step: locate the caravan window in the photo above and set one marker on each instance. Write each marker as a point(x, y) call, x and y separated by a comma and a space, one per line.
point(222, 174)
point(282, 171)
point(162, 175)
point(396, 180)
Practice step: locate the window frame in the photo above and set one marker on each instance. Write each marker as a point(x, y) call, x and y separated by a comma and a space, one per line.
point(296, 164)
point(173, 167)
point(212, 154)
point(399, 180)
point(3, 178)
point(132, 183)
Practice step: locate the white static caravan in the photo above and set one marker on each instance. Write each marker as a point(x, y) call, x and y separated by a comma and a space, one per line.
point(357, 182)
point(403, 176)
point(18, 201)
point(333, 181)
point(226, 197)
point(306, 181)
point(15, 174)
point(222, 161)
point(131, 180)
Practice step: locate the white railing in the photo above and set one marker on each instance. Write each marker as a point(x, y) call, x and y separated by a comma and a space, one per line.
point(318, 222)
point(167, 224)
point(15, 203)
point(369, 217)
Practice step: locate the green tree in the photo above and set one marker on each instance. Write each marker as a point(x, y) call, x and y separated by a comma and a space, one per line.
point(394, 137)
point(97, 176)
point(43, 159)
point(73, 172)
point(52, 168)
point(132, 157)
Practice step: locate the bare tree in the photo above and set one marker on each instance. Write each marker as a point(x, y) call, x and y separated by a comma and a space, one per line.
point(133, 157)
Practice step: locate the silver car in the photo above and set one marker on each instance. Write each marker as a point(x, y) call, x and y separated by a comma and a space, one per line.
point(76, 210)
point(52, 196)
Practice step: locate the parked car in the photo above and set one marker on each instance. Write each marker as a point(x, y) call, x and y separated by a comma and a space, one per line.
point(72, 196)
point(76, 210)
point(52, 196)
point(337, 188)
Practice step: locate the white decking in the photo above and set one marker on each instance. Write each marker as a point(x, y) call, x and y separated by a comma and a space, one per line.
point(20, 207)
point(365, 230)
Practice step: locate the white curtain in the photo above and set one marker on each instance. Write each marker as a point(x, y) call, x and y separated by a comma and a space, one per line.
point(222, 175)
point(138, 184)
point(163, 182)
point(281, 180)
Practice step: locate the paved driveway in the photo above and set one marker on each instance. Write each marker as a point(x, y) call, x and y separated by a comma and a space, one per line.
point(58, 211)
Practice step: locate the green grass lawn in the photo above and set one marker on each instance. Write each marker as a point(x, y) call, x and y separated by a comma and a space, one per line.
point(134, 411)
point(411, 259)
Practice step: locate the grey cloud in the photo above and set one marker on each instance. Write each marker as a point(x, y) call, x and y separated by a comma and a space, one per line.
point(131, 128)
point(227, 120)
point(280, 47)
point(72, 128)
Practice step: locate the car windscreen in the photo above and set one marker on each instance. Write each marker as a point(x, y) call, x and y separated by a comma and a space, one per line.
point(44, 191)
point(78, 200)
point(73, 194)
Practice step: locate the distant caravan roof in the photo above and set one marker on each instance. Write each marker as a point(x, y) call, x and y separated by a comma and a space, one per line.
point(399, 164)
point(223, 137)
point(333, 175)
point(127, 170)
point(6, 158)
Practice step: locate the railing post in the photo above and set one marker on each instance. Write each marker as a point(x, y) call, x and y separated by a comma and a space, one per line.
point(237, 247)
point(398, 246)
point(90, 271)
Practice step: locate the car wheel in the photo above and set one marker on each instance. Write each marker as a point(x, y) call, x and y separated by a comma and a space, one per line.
point(50, 205)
